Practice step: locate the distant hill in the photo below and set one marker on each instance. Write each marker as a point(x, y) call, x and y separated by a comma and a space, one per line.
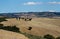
point(38, 14)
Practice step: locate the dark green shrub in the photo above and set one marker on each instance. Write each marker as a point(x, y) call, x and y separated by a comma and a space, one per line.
point(10, 28)
point(2, 19)
point(29, 28)
point(1, 26)
point(58, 38)
point(48, 36)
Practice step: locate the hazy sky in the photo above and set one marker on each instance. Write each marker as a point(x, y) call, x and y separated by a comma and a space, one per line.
point(29, 5)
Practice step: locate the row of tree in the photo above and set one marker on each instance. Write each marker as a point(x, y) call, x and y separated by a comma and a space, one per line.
point(26, 19)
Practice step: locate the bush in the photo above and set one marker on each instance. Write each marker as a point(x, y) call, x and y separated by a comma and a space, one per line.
point(2, 19)
point(9, 28)
point(29, 28)
point(48, 36)
point(1, 26)
point(58, 38)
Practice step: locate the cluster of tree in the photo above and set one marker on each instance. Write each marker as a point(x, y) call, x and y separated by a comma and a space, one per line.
point(26, 19)
point(9, 28)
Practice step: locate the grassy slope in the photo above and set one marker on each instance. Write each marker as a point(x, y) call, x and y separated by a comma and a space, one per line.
point(11, 35)
point(41, 26)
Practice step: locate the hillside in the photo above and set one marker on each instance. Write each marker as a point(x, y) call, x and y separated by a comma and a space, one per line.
point(11, 35)
point(40, 26)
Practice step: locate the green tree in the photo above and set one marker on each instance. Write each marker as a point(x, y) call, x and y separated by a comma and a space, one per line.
point(48, 36)
point(2, 19)
point(58, 38)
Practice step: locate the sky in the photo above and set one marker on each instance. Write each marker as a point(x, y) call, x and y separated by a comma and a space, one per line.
point(9, 6)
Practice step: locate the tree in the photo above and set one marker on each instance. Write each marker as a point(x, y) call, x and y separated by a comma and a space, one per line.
point(58, 38)
point(10, 28)
point(1, 26)
point(29, 28)
point(48, 36)
point(2, 19)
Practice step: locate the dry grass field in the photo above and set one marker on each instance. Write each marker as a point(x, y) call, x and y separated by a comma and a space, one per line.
point(40, 26)
point(11, 35)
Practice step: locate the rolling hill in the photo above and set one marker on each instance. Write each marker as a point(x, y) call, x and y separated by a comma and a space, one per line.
point(11, 35)
point(40, 26)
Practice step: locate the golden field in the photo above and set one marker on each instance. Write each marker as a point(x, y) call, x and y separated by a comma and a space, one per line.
point(40, 26)
point(11, 35)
